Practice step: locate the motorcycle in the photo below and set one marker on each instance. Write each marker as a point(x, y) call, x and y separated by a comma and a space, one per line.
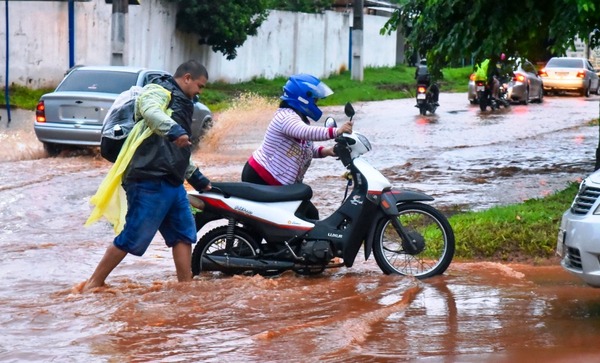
point(268, 232)
point(484, 95)
point(425, 101)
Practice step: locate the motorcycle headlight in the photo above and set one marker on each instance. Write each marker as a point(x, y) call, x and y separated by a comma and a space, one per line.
point(360, 146)
point(363, 139)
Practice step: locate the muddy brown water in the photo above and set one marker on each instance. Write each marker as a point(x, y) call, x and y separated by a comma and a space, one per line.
point(475, 312)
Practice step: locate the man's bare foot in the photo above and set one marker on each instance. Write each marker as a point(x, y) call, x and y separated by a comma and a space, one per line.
point(78, 288)
point(86, 286)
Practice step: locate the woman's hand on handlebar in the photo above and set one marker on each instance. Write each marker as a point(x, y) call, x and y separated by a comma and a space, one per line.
point(327, 151)
point(346, 128)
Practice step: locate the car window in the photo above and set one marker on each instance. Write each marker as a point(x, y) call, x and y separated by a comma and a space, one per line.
point(589, 66)
point(528, 67)
point(98, 81)
point(565, 63)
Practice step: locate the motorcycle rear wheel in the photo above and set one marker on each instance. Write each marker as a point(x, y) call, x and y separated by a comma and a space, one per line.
point(432, 233)
point(214, 242)
point(482, 103)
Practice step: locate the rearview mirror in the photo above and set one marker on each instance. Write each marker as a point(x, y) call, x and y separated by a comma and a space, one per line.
point(349, 110)
point(330, 122)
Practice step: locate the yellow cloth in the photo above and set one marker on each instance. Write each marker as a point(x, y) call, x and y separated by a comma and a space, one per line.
point(110, 200)
point(482, 70)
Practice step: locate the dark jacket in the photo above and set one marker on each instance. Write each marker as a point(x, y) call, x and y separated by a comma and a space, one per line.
point(422, 74)
point(158, 157)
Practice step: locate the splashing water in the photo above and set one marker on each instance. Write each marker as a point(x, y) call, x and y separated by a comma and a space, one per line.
point(18, 142)
point(238, 130)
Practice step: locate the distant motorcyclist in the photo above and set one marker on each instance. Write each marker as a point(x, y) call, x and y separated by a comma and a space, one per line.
point(423, 77)
point(499, 73)
point(491, 74)
point(505, 68)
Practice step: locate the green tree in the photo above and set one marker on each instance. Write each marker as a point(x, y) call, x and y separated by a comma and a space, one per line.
point(304, 6)
point(223, 25)
point(451, 30)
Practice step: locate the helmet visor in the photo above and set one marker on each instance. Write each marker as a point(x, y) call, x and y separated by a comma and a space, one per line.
point(320, 90)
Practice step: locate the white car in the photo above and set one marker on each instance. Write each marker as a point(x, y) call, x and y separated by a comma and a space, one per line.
point(579, 233)
point(570, 74)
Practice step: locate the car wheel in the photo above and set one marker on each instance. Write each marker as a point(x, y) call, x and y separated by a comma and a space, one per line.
point(585, 91)
point(541, 95)
point(525, 100)
point(52, 149)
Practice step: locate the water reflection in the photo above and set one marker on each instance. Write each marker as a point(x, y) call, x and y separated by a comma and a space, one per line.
point(426, 120)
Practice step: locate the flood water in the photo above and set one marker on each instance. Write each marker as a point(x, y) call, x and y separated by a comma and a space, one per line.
point(476, 312)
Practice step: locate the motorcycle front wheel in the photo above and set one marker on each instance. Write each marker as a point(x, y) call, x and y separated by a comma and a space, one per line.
point(430, 232)
point(215, 243)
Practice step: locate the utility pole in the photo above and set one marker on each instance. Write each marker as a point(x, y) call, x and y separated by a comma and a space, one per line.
point(6, 88)
point(71, 33)
point(118, 32)
point(357, 40)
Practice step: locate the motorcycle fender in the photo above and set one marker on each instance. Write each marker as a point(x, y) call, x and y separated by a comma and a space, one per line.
point(203, 217)
point(402, 196)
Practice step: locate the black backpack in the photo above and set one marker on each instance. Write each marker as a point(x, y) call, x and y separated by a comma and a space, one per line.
point(118, 123)
point(422, 74)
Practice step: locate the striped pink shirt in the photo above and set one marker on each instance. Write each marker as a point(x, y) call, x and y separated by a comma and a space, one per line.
point(287, 149)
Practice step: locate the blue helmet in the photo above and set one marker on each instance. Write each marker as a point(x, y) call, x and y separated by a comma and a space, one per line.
point(301, 91)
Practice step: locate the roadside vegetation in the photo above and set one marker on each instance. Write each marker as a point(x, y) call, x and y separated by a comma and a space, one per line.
point(523, 232)
point(23, 97)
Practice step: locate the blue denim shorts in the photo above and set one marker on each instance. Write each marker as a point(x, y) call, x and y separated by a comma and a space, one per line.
point(155, 205)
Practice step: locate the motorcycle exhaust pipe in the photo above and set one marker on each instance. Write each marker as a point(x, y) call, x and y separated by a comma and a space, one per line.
point(219, 263)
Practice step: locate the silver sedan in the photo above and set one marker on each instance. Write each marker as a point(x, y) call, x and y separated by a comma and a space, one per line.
point(570, 74)
point(524, 86)
point(74, 113)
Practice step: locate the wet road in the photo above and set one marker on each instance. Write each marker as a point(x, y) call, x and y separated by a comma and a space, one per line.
point(477, 311)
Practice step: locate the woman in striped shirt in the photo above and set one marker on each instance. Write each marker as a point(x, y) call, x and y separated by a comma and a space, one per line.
point(288, 146)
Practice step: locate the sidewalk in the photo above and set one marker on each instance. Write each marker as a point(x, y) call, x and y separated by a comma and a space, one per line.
point(19, 119)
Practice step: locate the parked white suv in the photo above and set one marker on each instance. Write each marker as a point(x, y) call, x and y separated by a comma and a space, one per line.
point(579, 233)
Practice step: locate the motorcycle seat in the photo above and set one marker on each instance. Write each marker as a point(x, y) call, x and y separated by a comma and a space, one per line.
point(264, 193)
